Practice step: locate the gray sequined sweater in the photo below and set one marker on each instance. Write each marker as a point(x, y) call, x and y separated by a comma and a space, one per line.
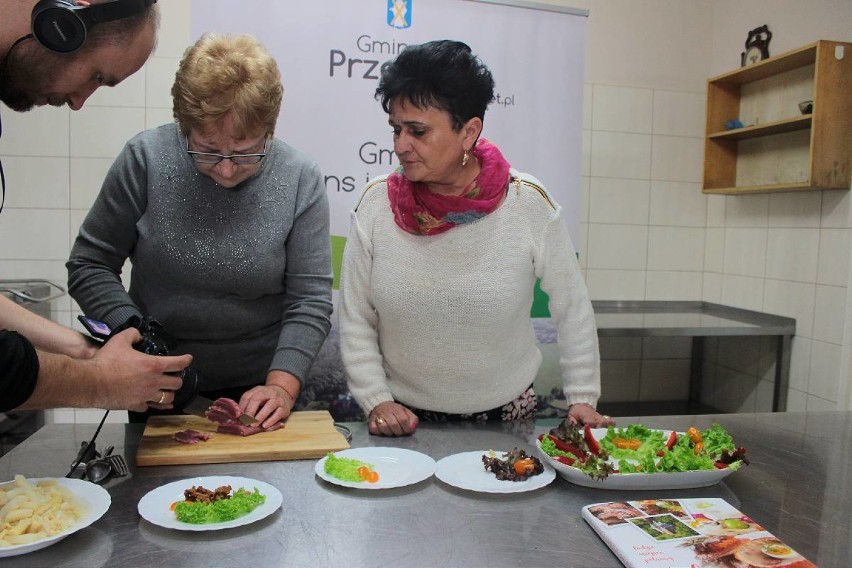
point(240, 277)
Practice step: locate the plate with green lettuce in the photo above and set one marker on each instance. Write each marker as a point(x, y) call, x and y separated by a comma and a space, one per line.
point(375, 467)
point(249, 501)
point(636, 457)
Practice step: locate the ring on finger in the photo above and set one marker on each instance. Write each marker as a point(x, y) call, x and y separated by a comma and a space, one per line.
point(162, 397)
point(380, 421)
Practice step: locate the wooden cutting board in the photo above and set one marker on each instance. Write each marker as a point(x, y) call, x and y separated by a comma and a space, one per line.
point(306, 435)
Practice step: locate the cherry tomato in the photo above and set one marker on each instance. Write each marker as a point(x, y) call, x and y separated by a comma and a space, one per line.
point(373, 477)
point(564, 459)
point(569, 448)
point(672, 440)
point(694, 435)
point(594, 447)
point(524, 466)
point(364, 472)
point(699, 447)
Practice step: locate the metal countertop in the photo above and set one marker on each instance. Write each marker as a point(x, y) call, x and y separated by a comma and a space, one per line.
point(798, 486)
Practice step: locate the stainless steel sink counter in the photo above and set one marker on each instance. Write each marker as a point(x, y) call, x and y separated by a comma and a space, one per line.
point(798, 486)
point(699, 320)
point(670, 318)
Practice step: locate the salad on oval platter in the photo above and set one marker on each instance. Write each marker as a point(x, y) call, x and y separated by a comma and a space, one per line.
point(636, 457)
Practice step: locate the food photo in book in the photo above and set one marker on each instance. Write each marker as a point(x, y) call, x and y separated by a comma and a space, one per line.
point(698, 533)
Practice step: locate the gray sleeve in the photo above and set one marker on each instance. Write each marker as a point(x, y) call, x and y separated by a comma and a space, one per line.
point(106, 239)
point(308, 278)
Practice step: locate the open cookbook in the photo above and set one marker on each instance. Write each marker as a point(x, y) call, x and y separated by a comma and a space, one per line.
point(688, 533)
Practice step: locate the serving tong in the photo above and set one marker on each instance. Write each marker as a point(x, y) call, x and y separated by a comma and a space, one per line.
point(93, 466)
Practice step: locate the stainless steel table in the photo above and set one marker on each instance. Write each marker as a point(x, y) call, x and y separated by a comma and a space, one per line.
point(699, 320)
point(799, 486)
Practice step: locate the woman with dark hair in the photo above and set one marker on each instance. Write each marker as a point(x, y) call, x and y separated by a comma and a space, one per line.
point(442, 259)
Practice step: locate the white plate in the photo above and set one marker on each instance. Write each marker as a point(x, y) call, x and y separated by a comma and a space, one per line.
point(466, 471)
point(661, 480)
point(396, 467)
point(155, 506)
point(93, 497)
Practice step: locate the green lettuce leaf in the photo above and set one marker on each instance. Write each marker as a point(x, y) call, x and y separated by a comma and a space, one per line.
point(652, 440)
point(240, 504)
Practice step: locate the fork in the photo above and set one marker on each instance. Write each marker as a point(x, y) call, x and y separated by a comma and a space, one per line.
point(118, 465)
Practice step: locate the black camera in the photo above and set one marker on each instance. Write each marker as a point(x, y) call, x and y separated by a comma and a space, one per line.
point(155, 341)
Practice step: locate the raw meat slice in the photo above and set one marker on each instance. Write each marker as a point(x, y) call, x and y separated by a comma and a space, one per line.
point(215, 415)
point(226, 413)
point(237, 429)
point(190, 436)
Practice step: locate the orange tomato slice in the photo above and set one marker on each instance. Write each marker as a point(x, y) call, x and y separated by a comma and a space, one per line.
point(626, 444)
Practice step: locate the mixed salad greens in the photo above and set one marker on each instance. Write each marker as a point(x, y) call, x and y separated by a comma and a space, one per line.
point(637, 449)
point(225, 508)
point(515, 465)
point(348, 469)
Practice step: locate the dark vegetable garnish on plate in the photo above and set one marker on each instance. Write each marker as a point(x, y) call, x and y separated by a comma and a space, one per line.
point(731, 457)
point(515, 465)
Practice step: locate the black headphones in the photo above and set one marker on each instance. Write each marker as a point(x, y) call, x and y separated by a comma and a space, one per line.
point(61, 25)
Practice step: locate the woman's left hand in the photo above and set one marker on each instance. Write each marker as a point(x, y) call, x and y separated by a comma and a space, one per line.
point(583, 413)
point(268, 404)
point(271, 403)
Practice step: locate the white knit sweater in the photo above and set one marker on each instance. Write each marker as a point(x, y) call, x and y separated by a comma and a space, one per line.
point(443, 322)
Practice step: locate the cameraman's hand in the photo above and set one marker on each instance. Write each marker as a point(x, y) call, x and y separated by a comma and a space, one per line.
point(272, 402)
point(132, 380)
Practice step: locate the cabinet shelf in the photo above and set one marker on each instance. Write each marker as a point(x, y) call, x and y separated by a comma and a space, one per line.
point(767, 188)
point(786, 125)
point(782, 150)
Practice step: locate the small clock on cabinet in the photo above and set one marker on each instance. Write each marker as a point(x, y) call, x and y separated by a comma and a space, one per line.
point(756, 46)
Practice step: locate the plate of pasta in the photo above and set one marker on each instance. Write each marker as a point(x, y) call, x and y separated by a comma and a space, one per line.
point(38, 512)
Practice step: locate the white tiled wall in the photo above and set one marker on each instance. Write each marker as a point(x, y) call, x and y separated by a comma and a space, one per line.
point(645, 225)
point(650, 234)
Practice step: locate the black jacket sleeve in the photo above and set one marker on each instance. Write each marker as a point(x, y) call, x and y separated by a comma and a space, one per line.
point(18, 369)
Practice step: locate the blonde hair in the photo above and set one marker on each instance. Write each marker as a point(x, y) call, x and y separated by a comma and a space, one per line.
point(223, 75)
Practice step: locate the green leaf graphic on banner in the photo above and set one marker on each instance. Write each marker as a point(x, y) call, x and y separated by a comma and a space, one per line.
point(540, 307)
point(337, 246)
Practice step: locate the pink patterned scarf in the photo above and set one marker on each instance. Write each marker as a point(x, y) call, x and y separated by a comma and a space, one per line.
point(420, 212)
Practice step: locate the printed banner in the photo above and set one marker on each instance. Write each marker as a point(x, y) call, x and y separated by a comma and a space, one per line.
point(330, 54)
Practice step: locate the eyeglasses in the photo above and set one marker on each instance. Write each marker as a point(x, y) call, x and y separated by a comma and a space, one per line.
point(242, 159)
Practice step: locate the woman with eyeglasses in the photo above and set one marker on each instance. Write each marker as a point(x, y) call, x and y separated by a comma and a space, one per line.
point(226, 229)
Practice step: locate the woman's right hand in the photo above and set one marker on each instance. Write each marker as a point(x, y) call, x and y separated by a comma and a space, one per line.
point(391, 419)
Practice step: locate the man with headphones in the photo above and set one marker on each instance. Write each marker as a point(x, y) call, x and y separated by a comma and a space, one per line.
point(59, 52)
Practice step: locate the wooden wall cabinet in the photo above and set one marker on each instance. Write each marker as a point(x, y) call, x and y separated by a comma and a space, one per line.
point(780, 148)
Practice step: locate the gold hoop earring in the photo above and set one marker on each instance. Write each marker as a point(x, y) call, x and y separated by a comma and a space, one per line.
point(465, 158)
